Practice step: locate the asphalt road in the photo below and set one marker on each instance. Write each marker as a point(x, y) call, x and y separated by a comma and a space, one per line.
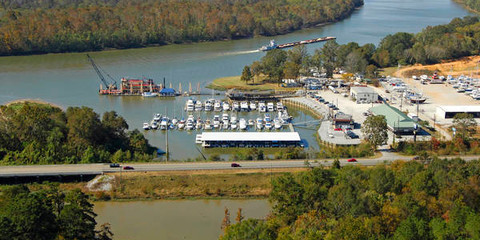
point(84, 169)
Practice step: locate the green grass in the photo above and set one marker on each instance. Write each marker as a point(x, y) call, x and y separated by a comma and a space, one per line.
point(225, 83)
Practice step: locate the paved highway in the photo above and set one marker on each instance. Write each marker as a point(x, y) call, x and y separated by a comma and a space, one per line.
point(86, 169)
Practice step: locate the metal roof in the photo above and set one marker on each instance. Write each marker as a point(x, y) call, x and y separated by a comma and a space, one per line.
point(167, 90)
point(395, 118)
point(460, 108)
point(362, 90)
point(250, 136)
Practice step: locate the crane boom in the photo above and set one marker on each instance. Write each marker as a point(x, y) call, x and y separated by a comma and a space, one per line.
point(100, 75)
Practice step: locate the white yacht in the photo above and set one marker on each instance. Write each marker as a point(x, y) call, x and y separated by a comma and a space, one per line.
point(278, 123)
point(181, 124)
point(146, 126)
point(233, 118)
point(244, 106)
point(209, 105)
point(259, 124)
point(270, 107)
point(253, 106)
point(234, 125)
point(157, 117)
point(190, 105)
point(226, 124)
point(267, 118)
point(279, 106)
point(225, 117)
point(189, 125)
point(198, 105)
point(236, 106)
point(208, 125)
point(175, 121)
point(268, 125)
point(217, 106)
point(216, 121)
point(243, 124)
point(251, 122)
point(164, 123)
point(226, 106)
point(199, 124)
point(262, 107)
point(154, 125)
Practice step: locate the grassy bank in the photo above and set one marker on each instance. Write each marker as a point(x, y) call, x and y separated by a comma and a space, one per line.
point(242, 183)
point(225, 83)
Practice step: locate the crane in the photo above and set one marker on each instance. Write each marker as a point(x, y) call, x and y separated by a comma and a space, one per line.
point(100, 75)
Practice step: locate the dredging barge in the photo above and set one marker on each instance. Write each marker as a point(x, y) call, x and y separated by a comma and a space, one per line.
point(273, 45)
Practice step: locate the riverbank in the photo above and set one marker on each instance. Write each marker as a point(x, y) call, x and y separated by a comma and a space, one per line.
point(202, 184)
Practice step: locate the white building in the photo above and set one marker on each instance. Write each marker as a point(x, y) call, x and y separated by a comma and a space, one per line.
point(363, 94)
point(446, 112)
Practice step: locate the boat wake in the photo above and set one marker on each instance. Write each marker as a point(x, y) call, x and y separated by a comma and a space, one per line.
point(240, 52)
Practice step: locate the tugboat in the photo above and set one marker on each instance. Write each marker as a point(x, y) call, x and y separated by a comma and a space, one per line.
point(269, 47)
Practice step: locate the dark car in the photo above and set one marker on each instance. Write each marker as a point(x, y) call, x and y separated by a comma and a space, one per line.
point(235, 165)
point(128, 168)
point(352, 160)
point(114, 165)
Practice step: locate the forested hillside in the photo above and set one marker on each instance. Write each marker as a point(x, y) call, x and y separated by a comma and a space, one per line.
point(471, 4)
point(406, 200)
point(42, 134)
point(37, 26)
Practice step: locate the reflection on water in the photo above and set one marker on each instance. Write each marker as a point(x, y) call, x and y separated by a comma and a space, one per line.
point(174, 219)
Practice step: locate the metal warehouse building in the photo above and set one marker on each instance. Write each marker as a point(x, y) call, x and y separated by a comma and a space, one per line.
point(249, 139)
point(363, 94)
point(445, 112)
point(397, 121)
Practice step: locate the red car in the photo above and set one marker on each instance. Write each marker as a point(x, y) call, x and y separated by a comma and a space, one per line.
point(235, 165)
point(338, 129)
point(128, 168)
point(352, 160)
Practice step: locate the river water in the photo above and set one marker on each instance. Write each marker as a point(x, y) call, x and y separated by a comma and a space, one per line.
point(174, 219)
point(69, 80)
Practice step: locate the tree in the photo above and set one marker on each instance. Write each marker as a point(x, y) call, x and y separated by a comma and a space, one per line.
point(246, 74)
point(464, 124)
point(247, 230)
point(375, 129)
point(329, 57)
point(240, 216)
point(273, 64)
point(355, 63)
point(256, 69)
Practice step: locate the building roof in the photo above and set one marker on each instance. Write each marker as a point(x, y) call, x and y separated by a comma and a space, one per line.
point(460, 108)
point(167, 90)
point(250, 136)
point(395, 118)
point(362, 90)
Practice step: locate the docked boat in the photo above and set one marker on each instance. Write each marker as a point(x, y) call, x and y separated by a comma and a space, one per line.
point(154, 125)
point(279, 106)
point(417, 99)
point(236, 106)
point(278, 124)
point(217, 106)
point(244, 106)
point(243, 124)
point(190, 105)
point(259, 124)
point(181, 124)
point(189, 125)
point(226, 124)
point(198, 106)
point(175, 121)
point(209, 105)
point(267, 118)
point(149, 94)
point(164, 124)
point(251, 122)
point(253, 106)
point(157, 117)
point(208, 125)
point(268, 125)
point(270, 107)
point(146, 126)
point(262, 107)
point(226, 106)
point(199, 124)
point(233, 125)
point(216, 121)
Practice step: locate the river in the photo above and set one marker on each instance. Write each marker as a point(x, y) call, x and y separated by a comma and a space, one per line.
point(174, 219)
point(69, 80)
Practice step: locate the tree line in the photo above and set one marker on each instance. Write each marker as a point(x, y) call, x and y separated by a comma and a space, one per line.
point(459, 38)
point(47, 213)
point(33, 133)
point(30, 27)
point(407, 200)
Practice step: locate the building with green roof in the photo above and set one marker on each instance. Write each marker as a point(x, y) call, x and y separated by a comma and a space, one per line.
point(397, 121)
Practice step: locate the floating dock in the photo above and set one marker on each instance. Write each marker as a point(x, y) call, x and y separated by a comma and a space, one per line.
point(249, 139)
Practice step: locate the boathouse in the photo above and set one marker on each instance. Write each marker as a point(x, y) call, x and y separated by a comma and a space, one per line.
point(446, 112)
point(167, 92)
point(397, 121)
point(249, 139)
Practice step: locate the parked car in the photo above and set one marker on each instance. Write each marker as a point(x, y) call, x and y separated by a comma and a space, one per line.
point(338, 129)
point(128, 168)
point(114, 165)
point(235, 165)
point(352, 160)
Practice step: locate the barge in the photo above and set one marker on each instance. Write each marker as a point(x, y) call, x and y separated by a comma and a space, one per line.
point(273, 45)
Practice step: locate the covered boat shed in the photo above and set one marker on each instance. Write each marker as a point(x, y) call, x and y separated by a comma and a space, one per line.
point(397, 121)
point(167, 92)
point(445, 112)
point(249, 139)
